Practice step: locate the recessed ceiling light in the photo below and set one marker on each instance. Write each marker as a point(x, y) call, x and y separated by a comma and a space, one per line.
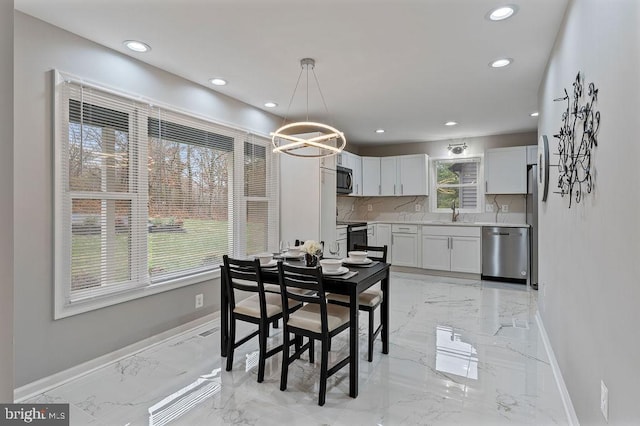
point(136, 46)
point(502, 62)
point(450, 123)
point(534, 114)
point(501, 13)
point(218, 81)
point(379, 130)
point(270, 104)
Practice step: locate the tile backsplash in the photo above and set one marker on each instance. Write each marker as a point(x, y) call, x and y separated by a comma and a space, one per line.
point(404, 208)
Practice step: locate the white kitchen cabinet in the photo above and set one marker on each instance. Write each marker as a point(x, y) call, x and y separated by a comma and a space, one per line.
point(370, 176)
point(505, 170)
point(397, 175)
point(465, 254)
point(451, 248)
point(388, 176)
point(328, 162)
point(532, 154)
point(404, 243)
point(356, 167)
point(307, 200)
point(383, 237)
point(412, 174)
point(341, 238)
point(435, 252)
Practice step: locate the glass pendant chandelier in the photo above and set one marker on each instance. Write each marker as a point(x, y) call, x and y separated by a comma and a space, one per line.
point(308, 138)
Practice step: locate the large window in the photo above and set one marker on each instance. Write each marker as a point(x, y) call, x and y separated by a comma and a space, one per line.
point(456, 182)
point(148, 199)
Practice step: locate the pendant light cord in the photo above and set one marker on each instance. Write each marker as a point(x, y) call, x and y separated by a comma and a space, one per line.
point(295, 89)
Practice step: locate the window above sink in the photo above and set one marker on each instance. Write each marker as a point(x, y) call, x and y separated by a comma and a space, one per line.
point(456, 182)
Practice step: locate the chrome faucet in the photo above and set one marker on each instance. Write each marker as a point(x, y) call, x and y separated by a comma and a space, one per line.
point(454, 215)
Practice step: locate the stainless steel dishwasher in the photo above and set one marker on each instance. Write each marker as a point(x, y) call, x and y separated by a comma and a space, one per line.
point(505, 254)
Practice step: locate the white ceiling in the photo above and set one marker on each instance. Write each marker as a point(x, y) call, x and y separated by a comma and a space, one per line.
point(407, 66)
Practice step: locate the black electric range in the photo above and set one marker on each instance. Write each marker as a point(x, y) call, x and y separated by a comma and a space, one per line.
point(356, 233)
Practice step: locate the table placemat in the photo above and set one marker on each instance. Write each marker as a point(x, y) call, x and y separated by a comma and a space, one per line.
point(343, 277)
point(361, 265)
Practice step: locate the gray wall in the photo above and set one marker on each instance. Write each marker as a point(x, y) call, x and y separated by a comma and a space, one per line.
point(477, 145)
point(589, 254)
point(39, 48)
point(6, 201)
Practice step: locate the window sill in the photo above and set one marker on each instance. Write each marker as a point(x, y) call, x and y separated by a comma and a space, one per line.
point(79, 307)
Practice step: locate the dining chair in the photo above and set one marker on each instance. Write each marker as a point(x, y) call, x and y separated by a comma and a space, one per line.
point(261, 308)
point(316, 320)
point(369, 299)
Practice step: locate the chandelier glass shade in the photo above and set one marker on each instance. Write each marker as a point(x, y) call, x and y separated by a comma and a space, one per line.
point(308, 138)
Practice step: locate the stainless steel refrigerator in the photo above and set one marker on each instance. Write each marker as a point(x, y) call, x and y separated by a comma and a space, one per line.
point(532, 221)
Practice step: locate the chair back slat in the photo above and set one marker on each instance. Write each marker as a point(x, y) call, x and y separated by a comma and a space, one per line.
point(300, 278)
point(378, 253)
point(244, 275)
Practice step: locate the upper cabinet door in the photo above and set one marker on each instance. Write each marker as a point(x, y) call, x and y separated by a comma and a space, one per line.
point(388, 178)
point(413, 176)
point(506, 170)
point(370, 176)
point(356, 167)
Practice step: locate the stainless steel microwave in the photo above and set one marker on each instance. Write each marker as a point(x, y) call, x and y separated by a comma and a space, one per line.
point(344, 179)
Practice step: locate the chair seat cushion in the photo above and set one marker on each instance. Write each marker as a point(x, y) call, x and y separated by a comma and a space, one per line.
point(371, 297)
point(251, 305)
point(308, 317)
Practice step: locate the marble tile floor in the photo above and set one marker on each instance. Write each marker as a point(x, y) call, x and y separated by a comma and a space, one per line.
point(461, 352)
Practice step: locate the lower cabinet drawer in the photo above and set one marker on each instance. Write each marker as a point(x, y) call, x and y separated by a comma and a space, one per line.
point(404, 229)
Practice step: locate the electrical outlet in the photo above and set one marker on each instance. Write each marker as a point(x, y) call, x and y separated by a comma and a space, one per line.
point(488, 208)
point(604, 400)
point(504, 208)
point(418, 207)
point(369, 208)
point(199, 300)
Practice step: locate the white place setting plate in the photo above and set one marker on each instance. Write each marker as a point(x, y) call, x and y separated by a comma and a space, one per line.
point(349, 261)
point(270, 264)
point(288, 255)
point(340, 271)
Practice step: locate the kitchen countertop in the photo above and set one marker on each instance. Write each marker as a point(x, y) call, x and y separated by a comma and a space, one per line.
point(445, 223)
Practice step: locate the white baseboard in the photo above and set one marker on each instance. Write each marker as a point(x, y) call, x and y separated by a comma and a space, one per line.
point(572, 417)
point(47, 383)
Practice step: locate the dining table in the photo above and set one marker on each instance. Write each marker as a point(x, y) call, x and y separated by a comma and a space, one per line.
point(350, 285)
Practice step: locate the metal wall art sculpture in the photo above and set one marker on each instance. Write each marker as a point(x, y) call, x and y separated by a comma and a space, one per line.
point(577, 137)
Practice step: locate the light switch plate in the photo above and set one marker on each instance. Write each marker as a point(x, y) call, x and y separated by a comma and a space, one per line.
point(505, 208)
point(488, 208)
point(369, 207)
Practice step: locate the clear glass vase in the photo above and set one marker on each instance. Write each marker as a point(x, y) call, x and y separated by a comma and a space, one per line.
point(310, 260)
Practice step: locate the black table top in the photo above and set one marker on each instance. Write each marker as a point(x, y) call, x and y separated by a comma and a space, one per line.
point(366, 277)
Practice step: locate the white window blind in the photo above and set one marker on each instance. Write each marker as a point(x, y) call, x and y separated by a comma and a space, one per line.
point(191, 166)
point(259, 202)
point(101, 202)
point(146, 196)
point(456, 181)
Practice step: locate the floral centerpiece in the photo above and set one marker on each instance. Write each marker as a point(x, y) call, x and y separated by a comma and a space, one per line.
point(312, 250)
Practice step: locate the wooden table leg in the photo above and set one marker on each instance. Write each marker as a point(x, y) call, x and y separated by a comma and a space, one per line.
point(353, 343)
point(384, 314)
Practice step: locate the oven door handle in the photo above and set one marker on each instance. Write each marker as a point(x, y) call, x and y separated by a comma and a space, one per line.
point(358, 228)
